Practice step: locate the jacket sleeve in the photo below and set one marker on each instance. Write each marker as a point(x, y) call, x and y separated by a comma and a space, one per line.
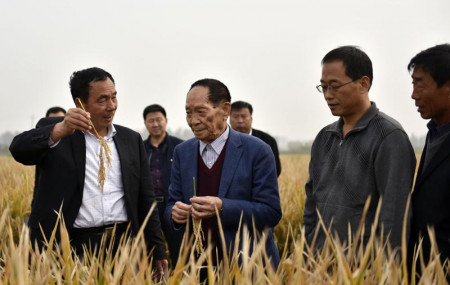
point(264, 206)
point(277, 157)
point(174, 193)
point(29, 146)
point(395, 165)
point(310, 219)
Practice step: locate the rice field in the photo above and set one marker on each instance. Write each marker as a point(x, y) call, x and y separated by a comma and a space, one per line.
point(334, 264)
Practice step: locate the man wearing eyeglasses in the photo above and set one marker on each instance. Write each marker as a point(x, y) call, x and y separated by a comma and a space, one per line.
point(364, 154)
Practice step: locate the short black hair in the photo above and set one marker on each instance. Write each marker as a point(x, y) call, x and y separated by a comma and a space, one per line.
point(218, 92)
point(80, 81)
point(357, 63)
point(154, 108)
point(53, 110)
point(238, 105)
point(435, 61)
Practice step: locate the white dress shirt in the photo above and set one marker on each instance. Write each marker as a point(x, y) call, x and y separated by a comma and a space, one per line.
point(211, 151)
point(99, 208)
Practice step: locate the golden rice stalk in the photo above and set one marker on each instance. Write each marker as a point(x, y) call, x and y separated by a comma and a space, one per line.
point(199, 235)
point(197, 230)
point(104, 150)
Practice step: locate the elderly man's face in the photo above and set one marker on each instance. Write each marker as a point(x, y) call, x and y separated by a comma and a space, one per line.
point(206, 121)
point(432, 102)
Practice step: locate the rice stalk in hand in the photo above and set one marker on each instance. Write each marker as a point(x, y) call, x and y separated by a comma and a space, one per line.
point(199, 236)
point(104, 150)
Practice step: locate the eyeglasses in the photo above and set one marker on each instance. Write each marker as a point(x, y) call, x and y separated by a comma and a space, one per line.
point(325, 88)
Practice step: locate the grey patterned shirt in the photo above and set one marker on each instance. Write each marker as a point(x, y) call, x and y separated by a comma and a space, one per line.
point(375, 160)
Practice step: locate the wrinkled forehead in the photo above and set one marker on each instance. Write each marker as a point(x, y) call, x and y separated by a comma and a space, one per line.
point(198, 97)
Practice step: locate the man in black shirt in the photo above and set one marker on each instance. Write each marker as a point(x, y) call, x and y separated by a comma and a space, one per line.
point(430, 72)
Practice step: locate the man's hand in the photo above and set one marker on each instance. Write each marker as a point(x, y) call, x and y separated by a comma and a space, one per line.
point(181, 212)
point(162, 270)
point(205, 206)
point(75, 119)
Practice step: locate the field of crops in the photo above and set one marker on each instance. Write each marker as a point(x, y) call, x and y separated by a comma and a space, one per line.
point(335, 264)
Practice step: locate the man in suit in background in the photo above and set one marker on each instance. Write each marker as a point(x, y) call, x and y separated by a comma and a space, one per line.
point(430, 72)
point(66, 149)
point(241, 121)
point(159, 147)
point(234, 173)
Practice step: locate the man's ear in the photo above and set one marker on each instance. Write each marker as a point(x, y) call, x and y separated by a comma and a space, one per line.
point(226, 108)
point(365, 83)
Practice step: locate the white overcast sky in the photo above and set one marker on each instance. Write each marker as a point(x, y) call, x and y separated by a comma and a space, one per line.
point(267, 52)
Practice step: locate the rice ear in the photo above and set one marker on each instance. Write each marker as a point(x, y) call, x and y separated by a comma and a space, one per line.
point(104, 151)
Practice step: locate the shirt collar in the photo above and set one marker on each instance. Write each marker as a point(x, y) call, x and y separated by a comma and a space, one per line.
point(218, 143)
point(362, 123)
point(439, 130)
point(111, 133)
point(163, 142)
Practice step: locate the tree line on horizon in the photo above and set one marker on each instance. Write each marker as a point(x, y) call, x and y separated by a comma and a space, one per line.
point(285, 145)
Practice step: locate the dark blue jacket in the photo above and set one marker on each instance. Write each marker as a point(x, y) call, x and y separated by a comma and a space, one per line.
point(172, 142)
point(248, 186)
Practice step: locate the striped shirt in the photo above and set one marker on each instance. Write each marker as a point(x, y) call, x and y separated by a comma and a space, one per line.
point(211, 151)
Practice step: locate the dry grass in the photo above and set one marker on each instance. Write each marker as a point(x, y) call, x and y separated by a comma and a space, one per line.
point(16, 192)
point(291, 184)
point(374, 264)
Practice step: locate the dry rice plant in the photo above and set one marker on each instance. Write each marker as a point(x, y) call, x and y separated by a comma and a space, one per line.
point(375, 263)
point(104, 151)
point(199, 236)
point(291, 184)
point(16, 193)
